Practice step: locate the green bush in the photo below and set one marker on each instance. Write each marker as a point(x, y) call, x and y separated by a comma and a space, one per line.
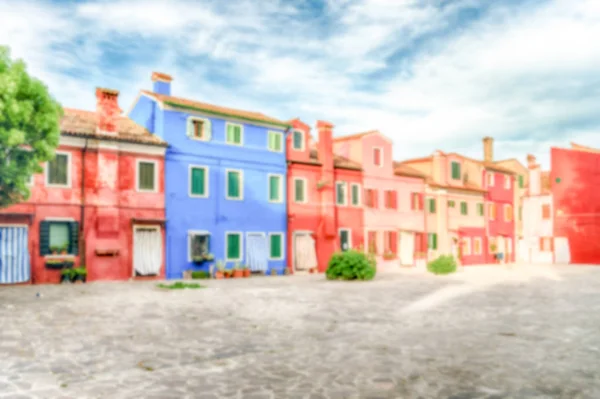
point(351, 265)
point(444, 264)
point(200, 275)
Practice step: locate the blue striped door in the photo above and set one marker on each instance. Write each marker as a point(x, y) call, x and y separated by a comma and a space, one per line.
point(14, 255)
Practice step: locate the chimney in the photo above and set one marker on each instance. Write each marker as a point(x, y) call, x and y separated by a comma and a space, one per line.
point(107, 109)
point(488, 149)
point(325, 145)
point(161, 83)
point(325, 148)
point(535, 187)
point(531, 162)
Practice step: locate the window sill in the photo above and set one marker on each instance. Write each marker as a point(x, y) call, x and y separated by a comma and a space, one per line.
point(59, 256)
point(58, 186)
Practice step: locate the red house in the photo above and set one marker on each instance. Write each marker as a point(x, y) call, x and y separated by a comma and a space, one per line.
point(325, 212)
point(99, 203)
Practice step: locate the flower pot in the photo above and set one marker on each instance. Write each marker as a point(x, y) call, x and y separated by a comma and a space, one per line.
point(246, 272)
point(311, 270)
point(219, 275)
point(65, 279)
point(79, 279)
point(238, 273)
point(187, 275)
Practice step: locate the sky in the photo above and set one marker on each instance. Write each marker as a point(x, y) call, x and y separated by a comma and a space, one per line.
point(429, 74)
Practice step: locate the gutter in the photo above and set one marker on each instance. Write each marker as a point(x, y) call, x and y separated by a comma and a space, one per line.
point(82, 246)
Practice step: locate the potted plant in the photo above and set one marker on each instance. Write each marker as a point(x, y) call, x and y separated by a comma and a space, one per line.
point(286, 271)
point(66, 276)
point(274, 272)
point(389, 255)
point(63, 250)
point(247, 271)
point(79, 274)
point(198, 259)
point(220, 272)
point(237, 270)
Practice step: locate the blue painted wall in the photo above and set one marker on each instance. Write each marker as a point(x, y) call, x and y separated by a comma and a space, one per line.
point(215, 214)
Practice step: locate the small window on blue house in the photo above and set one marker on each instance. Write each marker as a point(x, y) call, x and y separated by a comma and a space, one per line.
point(275, 188)
point(235, 184)
point(276, 141)
point(276, 246)
point(198, 245)
point(234, 134)
point(233, 243)
point(198, 181)
point(199, 128)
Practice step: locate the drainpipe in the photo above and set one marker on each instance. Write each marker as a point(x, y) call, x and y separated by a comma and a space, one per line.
point(82, 246)
point(287, 205)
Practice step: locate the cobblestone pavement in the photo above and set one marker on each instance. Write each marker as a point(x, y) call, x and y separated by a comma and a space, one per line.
point(491, 333)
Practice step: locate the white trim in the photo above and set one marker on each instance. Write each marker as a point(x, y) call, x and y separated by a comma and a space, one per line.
point(380, 156)
point(205, 122)
point(305, 189)
point(349, 231)
point(467, 251)
point(302, 146)
point(280, 190)
point(227, 124)
point(352, 185)
point(155, 227)
point(58, 219)
point(206, 180)
point(345, 186)
point(241, 246)
point(490, 179)
point(480, 241)
point(281, 141)
point(282, 235)
point(15, 225)
point(507, 182)
point(241, 197)
point(120, 146)
point(192, 233)
point(31, 181)
point(137, 175)
point(69, 170)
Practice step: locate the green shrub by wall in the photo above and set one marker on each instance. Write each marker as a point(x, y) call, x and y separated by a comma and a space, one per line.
point(200, 275)
point(444, 264)
point(351, 265)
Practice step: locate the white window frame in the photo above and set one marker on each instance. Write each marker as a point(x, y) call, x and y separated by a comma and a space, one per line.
point(480, 241)
point(241, 197)
point(490, 178)
point(137, 175)
point(206, 180)
point(191, 234)
point(154, 227)
point(380, 156)
point(59, 220)
point(507, 182)
point(349, 237)
point(302, 143)
point(279, 191)
point(280, 134)
point(305, 187)
point(241, 246)
point(352, 185)
point(69, 171)
point(345, 186)
point(206, 123)
point(31, 181)
point(282, 235)
point(467, 246)
point(241, 143)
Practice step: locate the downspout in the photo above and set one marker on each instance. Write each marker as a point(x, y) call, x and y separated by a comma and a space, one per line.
point(426, 232)
point(82, 246)
point(287, 206)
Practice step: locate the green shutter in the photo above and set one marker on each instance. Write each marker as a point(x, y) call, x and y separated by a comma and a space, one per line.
point(274, 191)
point(74, 238)
point(278, 141)
point(455, 170)
point(451, 204)
point(233, 246)
point(480, 209)
point(354, 194)
point(299, 190)
point(233, 184)
point(57, 170)
point(44, 238)
point(275, 251)
point(198, 177)
point(521, 181)
point(297, 140)
point(237, 134)
point(432, 205)
point(463, 208)
point(340, 194)
point(434, 240)
point(146, 175)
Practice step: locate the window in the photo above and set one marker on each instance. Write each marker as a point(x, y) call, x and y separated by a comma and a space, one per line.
point(492, 211)
point(466, 249)
point(275, 188)
point(233, 246)
point(451, 204)
point(59, 237)
point(390, 199)
point(198, 181)
point(340, 193)
point(235, 134)
point(146, 176)
point(431, 205)
point(276, 246)
point(377, 156)
point(509, 245)
point(355, 194)
point(480, 209)
point(235, 184)
point(416, 202)
point(455, 166)
point(508, 213)
point(298, 140)
point(198, 244)
point(275, 141)
point(546, 211)
point(390, 239)
point(490, 178)
point(493, 248)
point(372, 242)
point(477, 246)
point(521, 181)
point(432, 241)
point(546, 244)
point(58, 171)
point(464, 209)
point(507, 180)
point(199, 128)
point(300, 190)
point(520, 213)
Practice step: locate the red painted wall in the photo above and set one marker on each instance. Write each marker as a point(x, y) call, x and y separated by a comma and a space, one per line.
point(500, 195)
point(471, 233)
point(575, 178)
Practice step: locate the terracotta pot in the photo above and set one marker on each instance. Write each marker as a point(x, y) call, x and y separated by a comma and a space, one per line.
point(312, 270)
point(247, 273)
point(238, 273)
point(219, 275)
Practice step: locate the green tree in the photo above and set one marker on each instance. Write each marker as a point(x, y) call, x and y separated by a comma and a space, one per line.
point(29, 128)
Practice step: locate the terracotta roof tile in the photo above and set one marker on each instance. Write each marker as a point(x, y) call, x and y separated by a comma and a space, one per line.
point(354, 136)
point(584, 148)
point(405, 170)
point(82, 123)
point(338, 160)
point(215, 109)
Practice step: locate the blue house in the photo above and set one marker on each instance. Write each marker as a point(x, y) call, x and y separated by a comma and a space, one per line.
point(225, 181)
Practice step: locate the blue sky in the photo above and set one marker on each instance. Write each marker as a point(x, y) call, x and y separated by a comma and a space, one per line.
point(430, 74)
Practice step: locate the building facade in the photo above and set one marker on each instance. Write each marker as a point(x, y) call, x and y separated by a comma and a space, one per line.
point(99, 203)
point(225, 174)
point(325, 211)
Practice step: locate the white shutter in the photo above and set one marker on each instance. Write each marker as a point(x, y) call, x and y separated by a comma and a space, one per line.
point(190, 127)
point(207, 129)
